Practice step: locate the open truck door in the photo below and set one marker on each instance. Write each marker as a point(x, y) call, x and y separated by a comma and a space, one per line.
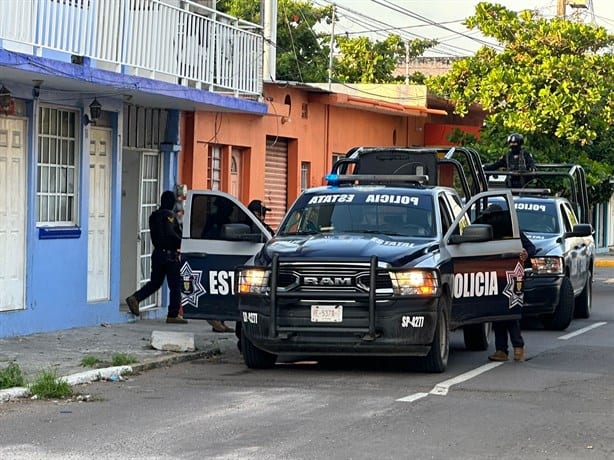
point(219, 234)
point(484, 245)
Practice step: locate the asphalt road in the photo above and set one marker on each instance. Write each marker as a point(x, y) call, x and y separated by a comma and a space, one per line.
point(557, 405)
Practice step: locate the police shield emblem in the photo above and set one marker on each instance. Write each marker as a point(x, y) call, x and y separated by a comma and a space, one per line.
point(187, 286)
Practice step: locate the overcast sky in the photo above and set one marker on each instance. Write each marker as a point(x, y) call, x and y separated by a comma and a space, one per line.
point(412, 19)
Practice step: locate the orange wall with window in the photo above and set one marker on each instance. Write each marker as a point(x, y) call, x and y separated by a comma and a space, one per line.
point(314, 130)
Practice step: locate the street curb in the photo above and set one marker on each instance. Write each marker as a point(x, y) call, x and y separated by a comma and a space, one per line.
point(115, 372)
point(604, 263)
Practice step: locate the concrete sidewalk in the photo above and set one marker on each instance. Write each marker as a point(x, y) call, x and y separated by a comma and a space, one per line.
point(61, 352)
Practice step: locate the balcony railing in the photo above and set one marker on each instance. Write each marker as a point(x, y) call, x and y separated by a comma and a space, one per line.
point(171, 40)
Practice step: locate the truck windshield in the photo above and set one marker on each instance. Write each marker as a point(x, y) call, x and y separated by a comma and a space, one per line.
point(537, 216)
point(384, 213)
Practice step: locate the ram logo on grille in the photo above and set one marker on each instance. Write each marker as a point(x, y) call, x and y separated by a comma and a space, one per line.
point(327, 280)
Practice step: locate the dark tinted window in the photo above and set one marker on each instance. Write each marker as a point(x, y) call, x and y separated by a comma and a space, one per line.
point(210, 213)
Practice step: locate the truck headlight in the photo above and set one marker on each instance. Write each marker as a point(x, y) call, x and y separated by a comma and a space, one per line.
point(414, 282)
point(547, 265)
point(253, 281)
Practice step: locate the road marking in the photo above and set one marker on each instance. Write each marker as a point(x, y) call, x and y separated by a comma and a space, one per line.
point(441, 389)
point(581, 331)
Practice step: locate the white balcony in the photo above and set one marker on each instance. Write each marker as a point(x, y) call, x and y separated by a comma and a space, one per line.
point(168, 40)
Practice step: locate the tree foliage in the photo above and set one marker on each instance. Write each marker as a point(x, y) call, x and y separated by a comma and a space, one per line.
point(303, 53)
point(552, 82)
point(362, 60)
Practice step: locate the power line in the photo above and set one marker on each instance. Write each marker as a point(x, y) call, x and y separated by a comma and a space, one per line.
point(375, 27)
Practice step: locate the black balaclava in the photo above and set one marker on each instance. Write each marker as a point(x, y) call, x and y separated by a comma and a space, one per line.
point(167, 200)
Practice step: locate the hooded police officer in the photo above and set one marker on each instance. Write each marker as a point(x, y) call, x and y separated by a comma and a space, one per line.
point(165, 235)
point(516, 159)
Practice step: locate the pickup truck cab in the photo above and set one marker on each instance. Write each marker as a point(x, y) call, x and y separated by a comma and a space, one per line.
point(370, 264)
point(382, 265)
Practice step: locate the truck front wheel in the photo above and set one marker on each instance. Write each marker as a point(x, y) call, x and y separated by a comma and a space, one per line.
point(563, 314)
point(254, 357)
point(437, 358)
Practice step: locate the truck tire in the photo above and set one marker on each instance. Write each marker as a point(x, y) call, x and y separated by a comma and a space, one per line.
point(562, 316)
point(254, 357)
point(477, 336)
point(437, 358)
point(584, 301)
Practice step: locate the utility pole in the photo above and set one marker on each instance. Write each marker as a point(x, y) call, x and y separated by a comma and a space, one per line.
point(269, 21)
point(407, 62)
point(332, 46)
point(560, 8)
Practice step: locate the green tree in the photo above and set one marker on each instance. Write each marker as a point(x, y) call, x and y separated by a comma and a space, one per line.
point(302, 53)
point(248, 10)
point(362, 60)
point(552, 82)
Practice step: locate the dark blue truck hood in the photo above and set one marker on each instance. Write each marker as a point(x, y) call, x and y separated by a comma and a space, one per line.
point(544, 242)
point(396, 251)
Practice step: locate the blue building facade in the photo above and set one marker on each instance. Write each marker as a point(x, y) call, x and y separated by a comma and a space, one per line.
point(86, 147)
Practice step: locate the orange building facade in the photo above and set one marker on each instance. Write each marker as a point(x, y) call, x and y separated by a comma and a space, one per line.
point(274, 157)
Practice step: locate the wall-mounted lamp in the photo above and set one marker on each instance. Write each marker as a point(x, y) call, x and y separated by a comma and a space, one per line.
point(95, 112)
point(36, 90)
point(5, 99)
point(285, 120)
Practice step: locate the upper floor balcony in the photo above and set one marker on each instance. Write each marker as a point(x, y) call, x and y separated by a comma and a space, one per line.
point(175, 41)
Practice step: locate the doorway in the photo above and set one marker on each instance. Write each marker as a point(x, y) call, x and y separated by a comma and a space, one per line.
point(13, 212)
point(99, 218)
point(141, 188)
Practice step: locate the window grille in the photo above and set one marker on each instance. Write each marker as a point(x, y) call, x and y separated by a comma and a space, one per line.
point(305, 174)
point(214, 168)
point(57, 172)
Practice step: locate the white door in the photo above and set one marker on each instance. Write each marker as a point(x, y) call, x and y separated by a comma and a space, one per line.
point(99, 219)
point(12, 213)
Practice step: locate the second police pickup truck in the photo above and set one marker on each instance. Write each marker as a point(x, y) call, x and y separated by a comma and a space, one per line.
point(382, 264)
point(553, 211)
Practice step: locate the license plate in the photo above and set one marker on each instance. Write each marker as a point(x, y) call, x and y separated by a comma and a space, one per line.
point(326, 313)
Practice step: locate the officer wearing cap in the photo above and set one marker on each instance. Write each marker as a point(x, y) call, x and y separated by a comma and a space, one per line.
point(258, 208)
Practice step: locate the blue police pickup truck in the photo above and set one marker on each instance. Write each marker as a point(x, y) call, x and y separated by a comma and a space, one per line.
point(383, 264)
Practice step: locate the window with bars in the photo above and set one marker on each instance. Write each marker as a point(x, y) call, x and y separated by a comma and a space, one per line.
point(305, 175)
point(214, 168)
point(56, 169)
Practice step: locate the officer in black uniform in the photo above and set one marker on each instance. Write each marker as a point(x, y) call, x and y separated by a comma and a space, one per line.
point(502, 227)
point(516, 160)
point(258, 208)
point(165, 234)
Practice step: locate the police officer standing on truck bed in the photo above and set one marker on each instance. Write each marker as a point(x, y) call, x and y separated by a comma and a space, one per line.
point(515, 160)
point(165, 234)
